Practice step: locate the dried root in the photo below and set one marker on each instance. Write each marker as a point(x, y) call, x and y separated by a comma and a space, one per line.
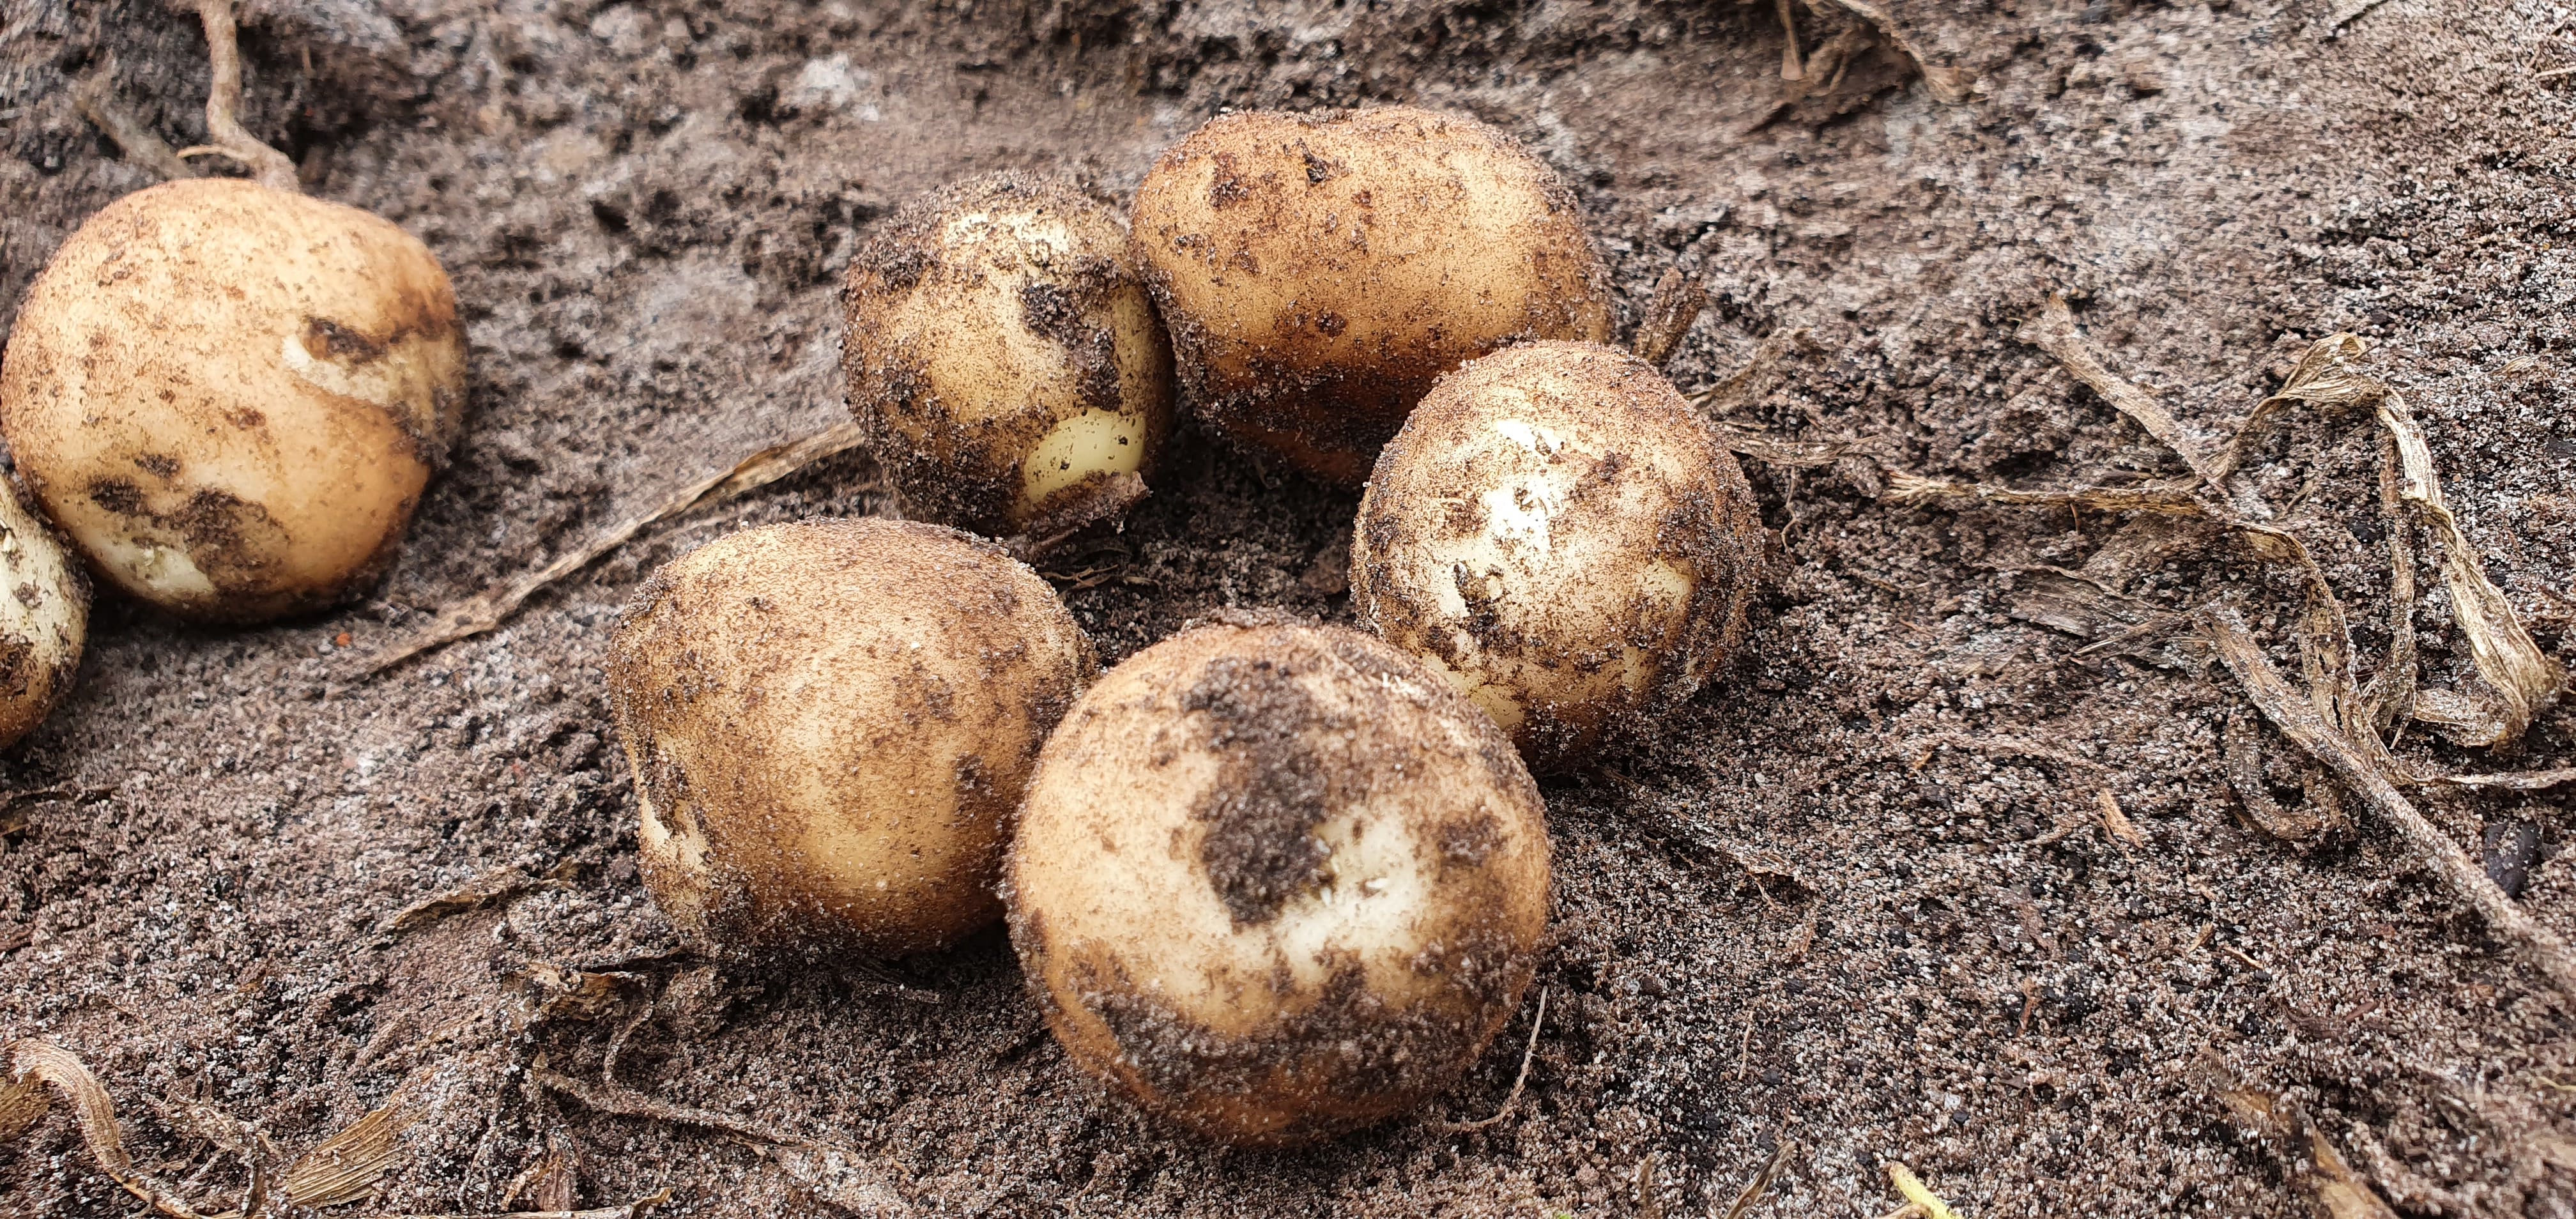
point(1751, 1195)
point(1538, 1020)
point(472, 617)
point(34, 1067)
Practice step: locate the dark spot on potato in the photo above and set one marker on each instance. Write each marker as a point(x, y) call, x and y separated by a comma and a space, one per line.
point(159, 465)
point(1260, 847)
point(329, 339)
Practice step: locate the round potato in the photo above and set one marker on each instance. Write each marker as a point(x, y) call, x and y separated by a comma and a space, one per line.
point(1006, 363)
point(830, 723)
point(1563, 538)
point(1318, 273)
point(230, 397)
point(1277, 881)
point(44, 618)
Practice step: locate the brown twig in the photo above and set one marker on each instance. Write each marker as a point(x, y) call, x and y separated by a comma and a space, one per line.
point(1949, 86)
point(476, 615)
point(2299, 719)
point(1751, 1194)
point(269, 167)
point(1518, 1082)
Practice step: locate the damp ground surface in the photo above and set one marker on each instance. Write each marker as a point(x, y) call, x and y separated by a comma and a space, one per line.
point(1858, 898)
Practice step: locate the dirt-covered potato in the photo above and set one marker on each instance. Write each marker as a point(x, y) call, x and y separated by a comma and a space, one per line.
point(830, 723)
point(1318, 273)
point(44, 618)
point(230, 397)
point(1559, 534)
point(1005, 361)
point(1277, 881)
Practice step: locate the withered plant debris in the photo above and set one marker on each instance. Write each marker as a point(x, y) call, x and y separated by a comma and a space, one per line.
point(2306, 1154)
point(36, 1065)
point(1751, 1195)
point(1675, 306)
point(814, 1157)
point(1949, 86)
point(1917, 1194)
point(2338, 722)
point(476, 615)
point(95, 98)
point(498, 884)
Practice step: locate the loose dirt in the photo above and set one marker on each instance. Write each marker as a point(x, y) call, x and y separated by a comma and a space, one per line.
point(1859, 898)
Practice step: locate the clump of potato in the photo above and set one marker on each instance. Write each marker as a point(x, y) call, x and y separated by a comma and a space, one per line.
point(43, 621)
point(1564, 539)
point(1004, 360)
point(1277, 881)
point(230, 396)
point(1318, 273)
point(830, 723)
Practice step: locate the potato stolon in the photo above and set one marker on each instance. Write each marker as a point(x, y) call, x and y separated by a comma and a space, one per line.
point(1277, 881)
point(1006, 363)
point(1561, 536)
point(230, 396)
point(1319, 273)
point(830, 723)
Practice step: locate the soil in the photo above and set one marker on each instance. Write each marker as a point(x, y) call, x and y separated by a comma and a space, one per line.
point(1855, 898)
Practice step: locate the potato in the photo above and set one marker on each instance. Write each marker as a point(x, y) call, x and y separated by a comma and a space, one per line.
point(230, 396)
point(1004, 360)
point(830, 723)
point(43, 621)
point(1318, 273)
point(1277, 881)
point(1560, 535)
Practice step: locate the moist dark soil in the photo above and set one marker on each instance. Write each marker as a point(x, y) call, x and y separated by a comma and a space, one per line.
point(1857, 897)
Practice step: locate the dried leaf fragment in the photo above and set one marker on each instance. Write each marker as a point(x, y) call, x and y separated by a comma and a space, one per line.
point(1949, 86)
point(1916, 1193)
point(36, 1064)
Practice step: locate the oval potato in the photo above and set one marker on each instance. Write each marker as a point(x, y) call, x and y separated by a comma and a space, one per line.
point(1561, 536)
point(1277, 881)
point(230, 397)
point(830, 723)
point(1006, 363)
point(1318, 273)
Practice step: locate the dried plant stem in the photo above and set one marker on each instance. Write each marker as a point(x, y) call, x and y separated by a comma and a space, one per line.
point(472, 617)
point(2299, 720)
point(1949, 86)
point(268, 166)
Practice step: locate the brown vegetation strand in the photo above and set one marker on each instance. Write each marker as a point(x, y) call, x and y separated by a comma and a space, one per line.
point(2298, 719)
point(269, 167)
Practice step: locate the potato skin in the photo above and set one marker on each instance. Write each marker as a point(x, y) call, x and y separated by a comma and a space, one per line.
point(1005, 361)
point(830, 723)
point(1557, 532)
point(1277, 881)
point(44, 618)
point(1318, 273)
point(230, 397)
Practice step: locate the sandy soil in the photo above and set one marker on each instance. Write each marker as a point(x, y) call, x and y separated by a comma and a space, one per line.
point(1832, 905)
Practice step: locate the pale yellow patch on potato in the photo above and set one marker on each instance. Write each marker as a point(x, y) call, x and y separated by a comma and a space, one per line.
point(1008, 365)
